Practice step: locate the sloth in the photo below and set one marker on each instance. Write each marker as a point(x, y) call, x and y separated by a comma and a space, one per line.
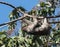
point(36, 29)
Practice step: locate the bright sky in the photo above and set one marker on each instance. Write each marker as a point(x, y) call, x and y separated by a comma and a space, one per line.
point(5, 10)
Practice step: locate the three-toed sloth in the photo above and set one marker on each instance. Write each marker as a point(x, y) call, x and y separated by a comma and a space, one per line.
point(35, 28)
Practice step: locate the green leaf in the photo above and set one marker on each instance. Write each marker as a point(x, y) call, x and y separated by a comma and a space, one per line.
point(42, 4)
point(22, 9)
point(1, 42)
point(29, 41)
point(3, 46)
point(2, 33)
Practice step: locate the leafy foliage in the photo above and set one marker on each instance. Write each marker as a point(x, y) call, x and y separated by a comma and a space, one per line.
point(19, 41)
point(14, 15)
point(24, 39)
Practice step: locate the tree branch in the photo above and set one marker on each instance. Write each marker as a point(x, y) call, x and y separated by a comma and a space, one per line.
point(13, 20)
point(23, 12)
point(12, 6)
point(25, 15)
point(8, 4)
point(54, 22)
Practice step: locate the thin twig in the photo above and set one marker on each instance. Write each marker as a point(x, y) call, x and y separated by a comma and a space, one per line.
point(13, 21)
point(54, 22)
point(5, 3)
point(8, 4)
point(23, 12)
point(25, 16)
point(20, 18)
